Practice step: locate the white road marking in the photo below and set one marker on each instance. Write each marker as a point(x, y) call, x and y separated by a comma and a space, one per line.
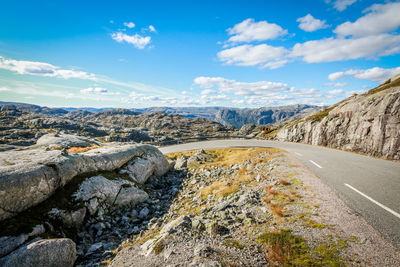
point(298, 154)
point(315, 164)
point(374, 201)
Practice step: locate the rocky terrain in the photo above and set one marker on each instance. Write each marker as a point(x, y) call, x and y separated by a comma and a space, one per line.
point(22, 125)
point(49, 193)
point(128, 205)
point(368, 123)
point(251, 207)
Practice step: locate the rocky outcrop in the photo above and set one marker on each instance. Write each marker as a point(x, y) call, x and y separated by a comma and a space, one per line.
point(368, 123)
point(29, 177)
point(49, 252)
point(66, 141)
point(99, 190)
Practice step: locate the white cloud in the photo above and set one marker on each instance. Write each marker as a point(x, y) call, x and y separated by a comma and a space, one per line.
point(242, 88)
point(331, 49)
point(335, 76)
point(309, 24)
point(208, 92)
point(380, 18)
point(95, 90)
point(373, 74)
point(152, 29)
point(336, 92)
point(366, 38)
point(341, 5)
point(249, 30)
point(249, 55)
point(136, 40)
point(130, 25)
point(336, 84)
point(42, 69)
point(4, 89)
point(238, 102)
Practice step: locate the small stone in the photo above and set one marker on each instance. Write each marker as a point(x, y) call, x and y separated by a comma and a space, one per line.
point(135, 230)
point(99, 226)
point(93, 248)
point(216, 229)
point(144, 213)
point(198, 226)
point(202, 250)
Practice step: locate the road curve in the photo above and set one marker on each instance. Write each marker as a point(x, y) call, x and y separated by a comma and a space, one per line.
point(370, 186)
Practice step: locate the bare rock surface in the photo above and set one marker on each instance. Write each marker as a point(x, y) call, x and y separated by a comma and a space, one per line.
point(50, 252)
point(66, 141)
point(29, 177)
point(99, 190)
point(368, 123)
point(251, 207)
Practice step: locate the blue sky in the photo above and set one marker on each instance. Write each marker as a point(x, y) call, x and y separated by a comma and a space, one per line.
point(195, 53)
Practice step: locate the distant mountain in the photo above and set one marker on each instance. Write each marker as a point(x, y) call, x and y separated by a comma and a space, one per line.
point(367, 123)
point(87, 109)
point(23, 107)
point(227, 116)
point(202, 112)
point(261, 116)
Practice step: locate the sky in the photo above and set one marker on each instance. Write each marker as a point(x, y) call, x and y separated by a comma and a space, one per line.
point(252, 53)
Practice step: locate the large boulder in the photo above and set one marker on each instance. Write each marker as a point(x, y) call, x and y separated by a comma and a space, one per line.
point(99, 190)
point(65, 141)
point(10, 243)
point(47, 252)
point(29, 177)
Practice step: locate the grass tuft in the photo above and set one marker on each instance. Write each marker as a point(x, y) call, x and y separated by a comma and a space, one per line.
point(77, 149)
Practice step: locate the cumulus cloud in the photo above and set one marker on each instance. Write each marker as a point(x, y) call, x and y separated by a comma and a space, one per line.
point(373, 74)
point(341, 5)
point(309, 24)
point(136, 40)
point(332, 49)
point(208, 92)
point(241, 88)
point(380, 18)
point(42, 69)
point(336, 92)
point(252, 55)
point(130, 25)
point(370, 37)
point(95, 90)
point(249, 31)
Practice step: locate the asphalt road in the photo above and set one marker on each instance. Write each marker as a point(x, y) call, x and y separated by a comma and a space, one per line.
point(369, 186)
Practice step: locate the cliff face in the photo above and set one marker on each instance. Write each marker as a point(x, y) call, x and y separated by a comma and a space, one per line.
point(367, 123)
point(262, 116)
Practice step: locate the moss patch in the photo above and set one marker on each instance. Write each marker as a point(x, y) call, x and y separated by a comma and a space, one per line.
point(286, 249)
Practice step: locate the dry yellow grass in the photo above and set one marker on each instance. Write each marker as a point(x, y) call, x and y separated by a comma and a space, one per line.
point(277, 210)
point(219, 188)
point(77, 149)
point(284, 182)
point(271, 191)
point(227, 158)
point(268, 199)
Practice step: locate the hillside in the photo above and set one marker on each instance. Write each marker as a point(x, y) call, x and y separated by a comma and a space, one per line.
point(23, 125)
point(262, 116)
point(368, 123)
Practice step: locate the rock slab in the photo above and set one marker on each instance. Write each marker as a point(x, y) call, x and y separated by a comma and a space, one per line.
point(29, 177)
